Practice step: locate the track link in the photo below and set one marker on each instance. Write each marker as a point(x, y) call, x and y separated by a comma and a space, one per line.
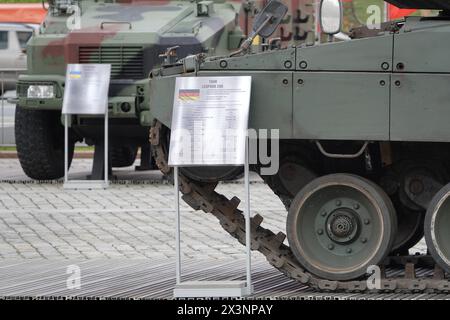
point(202, 196)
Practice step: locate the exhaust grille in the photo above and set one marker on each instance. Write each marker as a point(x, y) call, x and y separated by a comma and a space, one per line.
point(126, 62)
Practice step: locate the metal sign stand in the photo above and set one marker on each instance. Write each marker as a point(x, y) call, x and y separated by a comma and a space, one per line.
point(222, 125)
point(86, 93)
point(84, 184)
point(196, 289)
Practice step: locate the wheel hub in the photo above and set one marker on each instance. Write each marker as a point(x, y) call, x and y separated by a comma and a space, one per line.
point(342, 225)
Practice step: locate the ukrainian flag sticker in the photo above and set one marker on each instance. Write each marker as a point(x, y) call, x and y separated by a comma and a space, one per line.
point(75, 74)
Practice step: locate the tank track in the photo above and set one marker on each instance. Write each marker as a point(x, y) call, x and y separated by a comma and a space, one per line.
point(202, 196)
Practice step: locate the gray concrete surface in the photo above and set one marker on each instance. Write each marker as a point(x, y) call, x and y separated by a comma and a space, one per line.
point(132, 219)
point(122, 239)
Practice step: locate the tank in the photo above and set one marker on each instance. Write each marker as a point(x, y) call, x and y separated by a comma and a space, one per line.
point(134, 37)
point(364, 153)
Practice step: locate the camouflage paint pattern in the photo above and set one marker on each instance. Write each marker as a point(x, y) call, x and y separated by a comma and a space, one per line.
point(130, 35)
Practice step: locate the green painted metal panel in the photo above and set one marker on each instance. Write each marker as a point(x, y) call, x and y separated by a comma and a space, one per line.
point(130, 36)
point(270, 60)
point(340, 106)
point(369, 54)
point(270, 101)
point(161, 99)
point(420, 107)
point(423, 47)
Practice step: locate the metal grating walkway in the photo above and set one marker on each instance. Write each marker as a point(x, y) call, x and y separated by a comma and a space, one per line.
point(154, 279)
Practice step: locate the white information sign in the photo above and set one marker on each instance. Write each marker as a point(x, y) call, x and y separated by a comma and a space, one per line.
point(86, 89)
point(209, 121)
point(86, 93)
point(209, 127)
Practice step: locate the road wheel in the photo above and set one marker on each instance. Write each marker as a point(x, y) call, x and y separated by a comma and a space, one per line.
point(340, 224)
point(437, 226)
point(40, 143)
point(409, 229)
point(123, 155)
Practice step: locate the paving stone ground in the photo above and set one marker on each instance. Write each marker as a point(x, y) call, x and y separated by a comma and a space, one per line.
point(131, 219)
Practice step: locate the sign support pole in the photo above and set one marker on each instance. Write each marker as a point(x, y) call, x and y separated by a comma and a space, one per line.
point(106, 142)
point(177, 225)
point(66, 148)
point(229, 148)
point(248, 241)
point(85, 184)
point(214, 288)
point(94, 80)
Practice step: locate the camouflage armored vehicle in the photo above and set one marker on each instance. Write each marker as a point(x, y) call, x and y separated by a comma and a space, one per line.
point(364, 151)
point(131, 35)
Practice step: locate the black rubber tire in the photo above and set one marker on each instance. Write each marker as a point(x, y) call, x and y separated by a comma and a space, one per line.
point(123, 155)
point(40, 143)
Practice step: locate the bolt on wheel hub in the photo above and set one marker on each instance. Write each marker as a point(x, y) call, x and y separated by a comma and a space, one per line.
point(342, 226)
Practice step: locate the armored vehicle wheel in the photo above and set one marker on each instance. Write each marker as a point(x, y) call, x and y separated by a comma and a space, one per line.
point(123, 155)
point(292, 175)
point(213, 173)
point(409, 229)
point(437, 226)
point(40, 143)
point(340, 224)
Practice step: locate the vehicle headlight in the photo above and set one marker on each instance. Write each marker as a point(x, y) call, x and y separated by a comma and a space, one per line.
point(40, 92)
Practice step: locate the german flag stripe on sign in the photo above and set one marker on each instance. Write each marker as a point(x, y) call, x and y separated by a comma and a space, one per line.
point(189, 94)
